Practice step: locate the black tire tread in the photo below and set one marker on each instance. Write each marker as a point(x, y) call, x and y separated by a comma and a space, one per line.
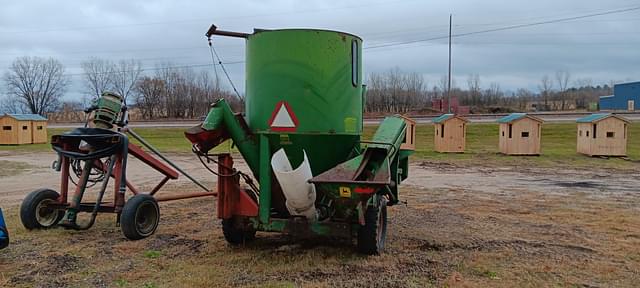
point(234, 235)
point(128, 216)
point(367, 235)
point(29, 205)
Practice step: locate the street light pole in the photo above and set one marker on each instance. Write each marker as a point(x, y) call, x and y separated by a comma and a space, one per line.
point(449, 85)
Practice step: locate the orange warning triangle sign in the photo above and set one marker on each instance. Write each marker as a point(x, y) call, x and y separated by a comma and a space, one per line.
point(283, 118)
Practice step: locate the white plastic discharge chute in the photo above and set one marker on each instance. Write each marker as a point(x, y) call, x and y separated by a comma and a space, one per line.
point(300, 194)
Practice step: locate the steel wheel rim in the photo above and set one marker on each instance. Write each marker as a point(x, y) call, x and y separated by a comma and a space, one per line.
point(44, 215)
point(146, 218)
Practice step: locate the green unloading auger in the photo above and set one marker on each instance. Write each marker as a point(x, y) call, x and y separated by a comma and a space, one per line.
point(380, 166)
point(220, 125)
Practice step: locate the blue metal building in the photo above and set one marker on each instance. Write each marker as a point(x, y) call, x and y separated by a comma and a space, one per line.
point(625, 96)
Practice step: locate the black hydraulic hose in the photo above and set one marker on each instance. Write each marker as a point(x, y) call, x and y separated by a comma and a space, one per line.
point(247, 178)
point(206, 156)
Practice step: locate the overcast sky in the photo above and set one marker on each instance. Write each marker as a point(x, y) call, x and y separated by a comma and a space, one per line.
point(602, 48)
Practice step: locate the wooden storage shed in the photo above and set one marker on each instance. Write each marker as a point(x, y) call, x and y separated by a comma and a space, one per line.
point(450, 133)
point(409, 142)
point(520, 134)
point(23, 129)
point(602, 134)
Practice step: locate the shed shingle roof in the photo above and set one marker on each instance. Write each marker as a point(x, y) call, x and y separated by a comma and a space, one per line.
point(597, 117)
point(444, 117)
point(26, 117)
point(512, 117)
point(517, 116)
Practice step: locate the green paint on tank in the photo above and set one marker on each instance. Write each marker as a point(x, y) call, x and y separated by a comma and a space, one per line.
point(312, 71)
point(318, 74)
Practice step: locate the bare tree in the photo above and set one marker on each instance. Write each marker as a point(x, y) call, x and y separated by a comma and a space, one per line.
point(524, 96)
point(546, 85)
point(9, 104)
point(98, 76)
point(69, 111)
point(473, 83)
point(494, 93)
point(149, 93)
point(562, 77)
point(395, 91)
point(124, 76)
point(443, 85)
point(415, 96)
point(584, 92)
point(37, 83)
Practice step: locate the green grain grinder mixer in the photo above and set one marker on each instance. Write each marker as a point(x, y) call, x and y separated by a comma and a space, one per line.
point(301, 138)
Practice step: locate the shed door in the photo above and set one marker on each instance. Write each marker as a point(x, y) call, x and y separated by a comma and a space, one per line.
point(631, 105)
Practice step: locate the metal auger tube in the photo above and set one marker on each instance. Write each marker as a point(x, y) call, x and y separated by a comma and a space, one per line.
point(155, 151)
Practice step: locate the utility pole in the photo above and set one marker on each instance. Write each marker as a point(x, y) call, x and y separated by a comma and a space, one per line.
point(449, 86)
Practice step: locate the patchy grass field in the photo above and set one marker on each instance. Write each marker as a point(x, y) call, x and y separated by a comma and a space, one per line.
point(442, 238)
point(558, 146)
point(170, 140)
point(477, 219)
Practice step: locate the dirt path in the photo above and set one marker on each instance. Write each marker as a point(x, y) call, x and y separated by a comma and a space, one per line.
point(460, 227)
point(40, 175)
point(512, 180)
point(423, 174)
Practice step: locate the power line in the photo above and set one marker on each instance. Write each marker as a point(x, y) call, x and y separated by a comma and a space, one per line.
point(515, 26)
point(510, 27)
point(130, 50)
point(206, 19)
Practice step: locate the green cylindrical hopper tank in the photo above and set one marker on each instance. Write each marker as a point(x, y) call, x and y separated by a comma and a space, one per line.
point(304, 90)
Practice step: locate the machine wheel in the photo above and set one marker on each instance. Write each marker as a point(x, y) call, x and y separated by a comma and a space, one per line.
point(235, 234)
point(35, 215)
point(140, 217)
point(372, 235)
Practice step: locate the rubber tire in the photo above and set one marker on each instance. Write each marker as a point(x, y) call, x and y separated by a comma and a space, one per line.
point(29, 205)
point(129, 220)
point(375, 218)
point(235, 235)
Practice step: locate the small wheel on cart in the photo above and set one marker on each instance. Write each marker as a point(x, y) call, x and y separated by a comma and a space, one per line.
point(372, 235)
point(35, 212)
point(236, 232)
point(140, 217)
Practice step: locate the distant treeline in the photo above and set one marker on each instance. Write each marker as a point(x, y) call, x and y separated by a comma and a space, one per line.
point(36, 85)
point(396, 91)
